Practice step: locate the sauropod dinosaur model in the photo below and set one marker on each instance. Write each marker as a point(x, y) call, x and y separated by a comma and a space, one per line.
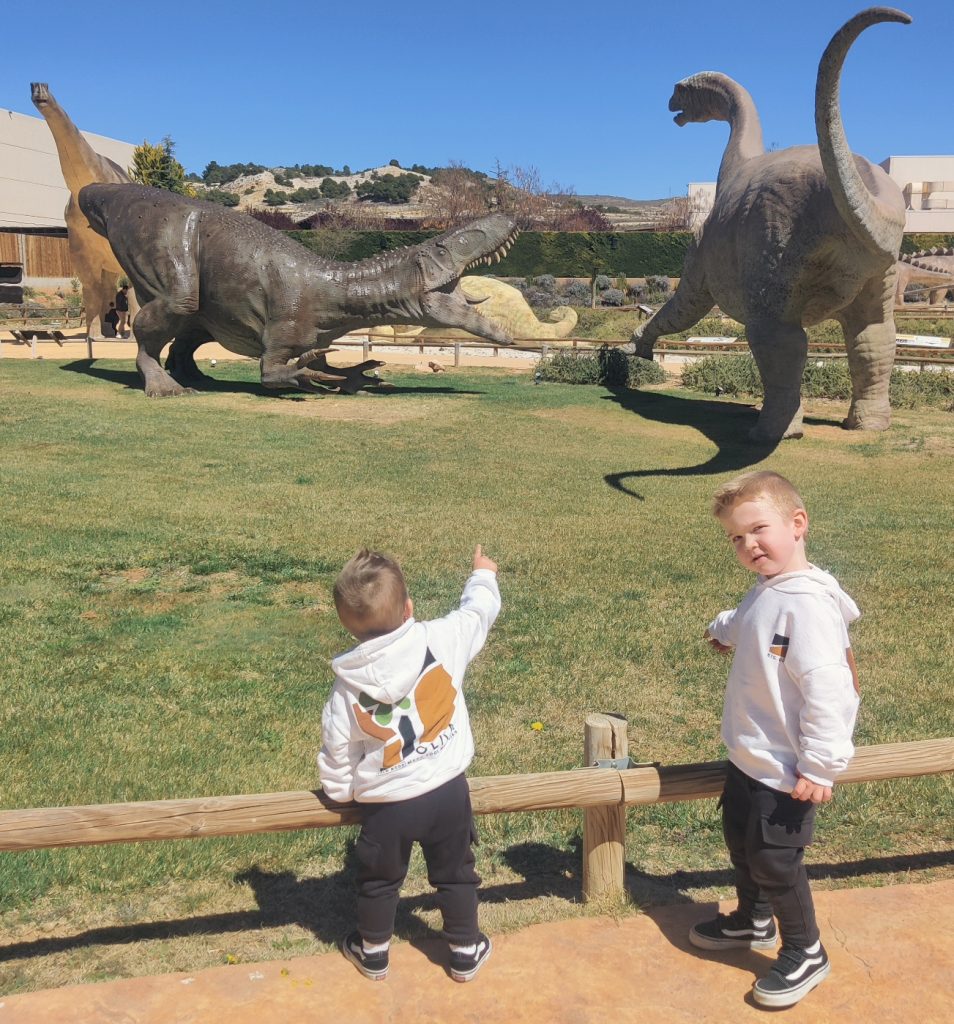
point(933, 268)
point(795, 237)
point(93, 261)
point(500, 302)
point(204, 272)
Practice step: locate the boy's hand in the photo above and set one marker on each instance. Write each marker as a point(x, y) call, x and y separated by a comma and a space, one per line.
point(805, 789)
point(481, 561)
point(712, 642)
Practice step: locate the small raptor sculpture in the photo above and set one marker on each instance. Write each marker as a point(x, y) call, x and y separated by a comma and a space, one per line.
point(203, 272)
point(795, 237)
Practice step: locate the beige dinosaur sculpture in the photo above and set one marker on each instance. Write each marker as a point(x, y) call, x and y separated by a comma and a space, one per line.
point(503, 304)
point(93, 259)
point(933, 268)
point(795, 237)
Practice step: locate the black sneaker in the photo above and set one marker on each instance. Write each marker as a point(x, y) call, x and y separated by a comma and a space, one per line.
point(795, 974)
point(463, 966)
point(371, 965)
point(730, 931)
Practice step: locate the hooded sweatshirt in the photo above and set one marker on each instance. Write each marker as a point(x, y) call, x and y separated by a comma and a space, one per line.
point(790, 701)
point(396, 725)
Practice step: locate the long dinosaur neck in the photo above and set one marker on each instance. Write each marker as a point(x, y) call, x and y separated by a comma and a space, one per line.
point(79, 162)
point(745, 135)
point(877, 224)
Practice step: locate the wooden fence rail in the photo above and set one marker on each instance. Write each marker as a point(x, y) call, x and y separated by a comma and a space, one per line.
point(609, 789)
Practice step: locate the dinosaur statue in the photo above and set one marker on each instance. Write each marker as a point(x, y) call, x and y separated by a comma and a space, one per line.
point(795, 237)
point(204, 272)
point(501, 303)
point(93, 260)
point(933, 268)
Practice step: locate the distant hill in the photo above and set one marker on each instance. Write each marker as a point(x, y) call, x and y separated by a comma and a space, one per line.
point(258, 191)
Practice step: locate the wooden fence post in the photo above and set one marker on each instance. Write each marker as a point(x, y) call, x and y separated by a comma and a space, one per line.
point(604, 828)
point(457, 353)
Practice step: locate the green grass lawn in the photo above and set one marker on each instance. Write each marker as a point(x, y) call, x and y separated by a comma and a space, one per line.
point(166, 614)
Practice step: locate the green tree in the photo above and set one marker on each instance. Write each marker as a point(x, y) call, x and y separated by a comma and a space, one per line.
point(157, 166)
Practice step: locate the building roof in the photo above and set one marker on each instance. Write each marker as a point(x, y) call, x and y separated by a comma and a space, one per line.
point(32, 191)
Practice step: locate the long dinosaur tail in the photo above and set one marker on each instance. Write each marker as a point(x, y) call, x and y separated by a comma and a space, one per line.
point(876, 222)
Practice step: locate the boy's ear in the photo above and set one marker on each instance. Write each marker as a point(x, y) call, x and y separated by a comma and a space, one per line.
point(408, 610)
point(800, 523)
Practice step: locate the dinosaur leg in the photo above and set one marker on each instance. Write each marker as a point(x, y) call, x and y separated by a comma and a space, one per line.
point(180, 362)
point(690, 303)
point(155, 326)
point(868, 325)
point(350, 379)
point(280, 346)
point(780, 351)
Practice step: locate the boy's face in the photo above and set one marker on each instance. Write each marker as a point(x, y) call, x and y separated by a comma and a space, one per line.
point(766, 540)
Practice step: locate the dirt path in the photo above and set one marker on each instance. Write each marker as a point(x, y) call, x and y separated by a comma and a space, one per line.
point(892, 951)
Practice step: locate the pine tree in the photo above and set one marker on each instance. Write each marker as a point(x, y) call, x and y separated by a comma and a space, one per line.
point(158, 167)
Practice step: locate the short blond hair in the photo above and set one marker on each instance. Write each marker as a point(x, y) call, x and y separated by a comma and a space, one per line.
point(370, 592)
point(761, 485)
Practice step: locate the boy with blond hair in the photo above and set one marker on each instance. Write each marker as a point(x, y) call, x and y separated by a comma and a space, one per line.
point(396, 738)
point(790, 707)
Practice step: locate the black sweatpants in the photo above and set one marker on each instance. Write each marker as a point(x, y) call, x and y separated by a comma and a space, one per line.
point(443, 823)
point(766, 832)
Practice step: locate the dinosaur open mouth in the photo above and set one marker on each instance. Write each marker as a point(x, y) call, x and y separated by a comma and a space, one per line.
point(497, 255)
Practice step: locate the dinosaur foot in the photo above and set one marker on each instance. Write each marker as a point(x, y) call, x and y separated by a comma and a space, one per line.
point(352, 379)
point(304, 377)
point(163, 390)
point(868, 416)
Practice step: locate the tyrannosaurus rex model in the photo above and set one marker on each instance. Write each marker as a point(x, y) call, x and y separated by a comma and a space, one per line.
point(202, 272)
point(795, 237)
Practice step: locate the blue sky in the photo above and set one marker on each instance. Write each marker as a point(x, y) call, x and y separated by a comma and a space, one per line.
point(578, 92)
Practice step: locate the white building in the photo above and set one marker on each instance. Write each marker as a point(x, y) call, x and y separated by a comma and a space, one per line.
point(927, 183)
point(33, 193)
point(928, 186)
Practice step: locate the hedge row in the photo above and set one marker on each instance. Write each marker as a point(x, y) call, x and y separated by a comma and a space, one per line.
point(737, 375)
point(561, 253)
point(607, 366)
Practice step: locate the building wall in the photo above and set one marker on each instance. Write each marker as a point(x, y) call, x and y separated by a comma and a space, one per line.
point(927, 183)
point(33, 193)
point(928, 186)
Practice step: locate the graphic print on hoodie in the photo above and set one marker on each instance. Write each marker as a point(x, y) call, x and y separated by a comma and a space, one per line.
point(432, 698)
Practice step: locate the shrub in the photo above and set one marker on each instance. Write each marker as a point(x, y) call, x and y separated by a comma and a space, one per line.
point(603, 281)
point(576, 294)
point(737, 375)
point(723, 375)
point(539, 298)
point(612, 297)
point(546, 281)
point(274, 198)
point(910, 389)
point(219, 195)
point(658, 283)
point(608, 366)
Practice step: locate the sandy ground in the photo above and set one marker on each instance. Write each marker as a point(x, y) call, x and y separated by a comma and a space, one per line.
point(890, 951)
point(76, 348)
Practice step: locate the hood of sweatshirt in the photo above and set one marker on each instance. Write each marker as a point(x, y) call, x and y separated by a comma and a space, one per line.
point(814, 581)
point(386, 667)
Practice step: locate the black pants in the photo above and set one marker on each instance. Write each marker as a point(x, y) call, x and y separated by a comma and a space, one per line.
point(443, 823)
point(766, 832)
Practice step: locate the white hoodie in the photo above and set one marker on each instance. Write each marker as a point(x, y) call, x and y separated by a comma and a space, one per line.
point(396, 725)
point(790, 702)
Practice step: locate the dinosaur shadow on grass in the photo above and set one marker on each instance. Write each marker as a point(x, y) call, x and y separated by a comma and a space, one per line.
point(131, 380)
point(726, 424)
